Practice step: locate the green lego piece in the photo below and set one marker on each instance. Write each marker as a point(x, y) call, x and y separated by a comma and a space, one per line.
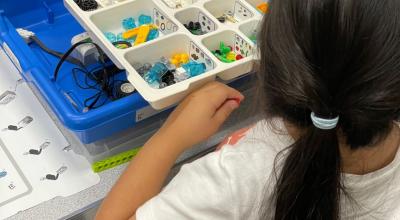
point(114, 161)
point(224, 49)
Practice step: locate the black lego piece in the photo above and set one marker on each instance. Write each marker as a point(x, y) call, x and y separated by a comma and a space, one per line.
point(87, 5)
point(168, 78)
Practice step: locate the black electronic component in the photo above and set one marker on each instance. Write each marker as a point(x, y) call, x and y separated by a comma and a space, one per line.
point(124, 89)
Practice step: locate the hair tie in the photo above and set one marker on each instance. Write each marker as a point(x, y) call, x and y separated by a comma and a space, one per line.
point(323, 123)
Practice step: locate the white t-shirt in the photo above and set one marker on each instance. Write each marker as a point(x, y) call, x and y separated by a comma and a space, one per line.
point(231, 183)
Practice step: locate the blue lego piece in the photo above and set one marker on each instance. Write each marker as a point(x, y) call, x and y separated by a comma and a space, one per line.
point(155, 73)
point(194, 69)
point(119, 37)
point(152, 35)
point(128, 23)
point(110, 36)
point(145, 19)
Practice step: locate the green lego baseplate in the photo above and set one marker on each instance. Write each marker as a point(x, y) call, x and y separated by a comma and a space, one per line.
point(115, 160)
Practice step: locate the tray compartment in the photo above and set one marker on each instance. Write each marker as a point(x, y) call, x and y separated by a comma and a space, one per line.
point(240, 45)
point(231, 39)
point(197, 15)
point(110, 20)
point(239, 11)
point(251, 29)
point(176, 44)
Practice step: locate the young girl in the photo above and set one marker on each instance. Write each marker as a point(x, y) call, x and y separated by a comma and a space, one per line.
point(330, 83)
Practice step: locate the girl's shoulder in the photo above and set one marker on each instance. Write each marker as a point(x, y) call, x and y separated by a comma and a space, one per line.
point(248, 158)
point(261, 137)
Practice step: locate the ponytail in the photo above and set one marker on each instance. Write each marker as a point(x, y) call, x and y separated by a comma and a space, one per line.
point(308, 186)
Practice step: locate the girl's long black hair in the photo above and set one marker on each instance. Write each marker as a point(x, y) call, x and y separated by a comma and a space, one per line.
point(331, 57)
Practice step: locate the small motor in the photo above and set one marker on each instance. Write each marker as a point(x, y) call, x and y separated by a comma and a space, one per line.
point(124, 89)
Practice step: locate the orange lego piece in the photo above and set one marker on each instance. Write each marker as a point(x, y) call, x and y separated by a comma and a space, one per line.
point(263, 7)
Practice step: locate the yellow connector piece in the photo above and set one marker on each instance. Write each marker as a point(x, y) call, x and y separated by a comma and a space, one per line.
point(133, 32)
point(179, 59)
point(130, 33)
point(141, 37)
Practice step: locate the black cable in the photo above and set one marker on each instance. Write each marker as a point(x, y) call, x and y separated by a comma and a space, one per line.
point(102, 81)
point(70, 50)
point(96, 97)
point(53, 52)
point(87, 76)
point(103, 78)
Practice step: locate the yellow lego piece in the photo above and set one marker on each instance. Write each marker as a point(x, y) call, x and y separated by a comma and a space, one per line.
point(130, 33)
point(175, 62)
point(141, 37)
point(231, 56)
point(133, 32)
point(184, 58)
point(179, 59)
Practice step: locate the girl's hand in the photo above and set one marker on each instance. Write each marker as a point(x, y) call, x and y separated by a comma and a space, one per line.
point(200, 115)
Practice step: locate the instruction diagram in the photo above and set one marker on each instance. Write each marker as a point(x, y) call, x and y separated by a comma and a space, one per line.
point(37, 162)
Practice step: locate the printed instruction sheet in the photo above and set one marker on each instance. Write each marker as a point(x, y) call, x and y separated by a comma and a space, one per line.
point(36, 161)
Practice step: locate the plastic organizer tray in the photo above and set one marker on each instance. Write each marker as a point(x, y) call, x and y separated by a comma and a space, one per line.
point(175, 38)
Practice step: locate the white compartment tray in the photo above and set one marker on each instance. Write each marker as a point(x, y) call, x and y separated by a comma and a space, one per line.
point(175, 38)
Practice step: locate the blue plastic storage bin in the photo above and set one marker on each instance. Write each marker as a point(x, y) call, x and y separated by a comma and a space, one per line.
point(55, 26)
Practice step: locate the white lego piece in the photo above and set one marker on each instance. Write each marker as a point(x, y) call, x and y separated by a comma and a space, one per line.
point(180, 74)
